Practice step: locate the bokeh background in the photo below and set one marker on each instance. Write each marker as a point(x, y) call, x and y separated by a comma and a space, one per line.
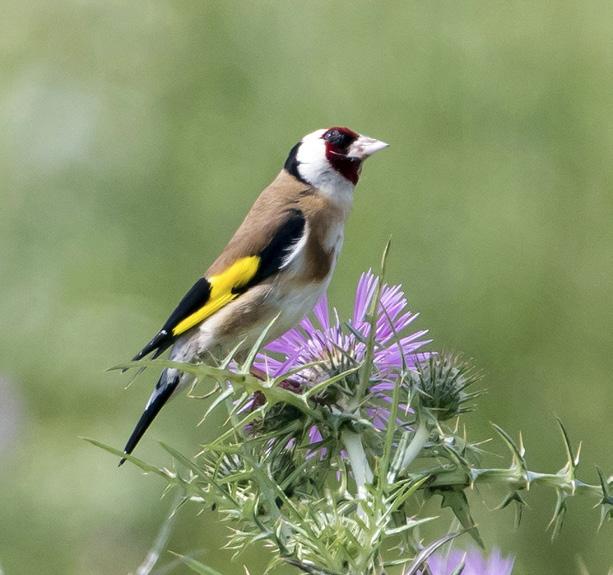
point(133, 138)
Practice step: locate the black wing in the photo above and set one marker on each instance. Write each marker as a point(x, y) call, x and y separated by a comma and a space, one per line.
point(270, 260)
point(194, 299)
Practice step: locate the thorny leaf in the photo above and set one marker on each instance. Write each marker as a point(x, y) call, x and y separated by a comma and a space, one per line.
point(426, 552)
point(196, 566)
point(559, 513)
point(518, 501)
point(457, 501)
point(606, 505)
point(568, 471)
point(518, 452)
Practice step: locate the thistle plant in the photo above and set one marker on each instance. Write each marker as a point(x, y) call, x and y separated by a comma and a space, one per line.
point(335, 435)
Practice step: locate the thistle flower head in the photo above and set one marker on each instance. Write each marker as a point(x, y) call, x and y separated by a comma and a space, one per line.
point(322, 347)
point(326, 347)
point(474, 563)
point(442, 381)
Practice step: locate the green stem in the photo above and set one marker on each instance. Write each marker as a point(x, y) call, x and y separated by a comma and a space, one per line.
point(419, 440)
point(387, 475)
point(370, 343)
point(512, 479)
point(359, 462)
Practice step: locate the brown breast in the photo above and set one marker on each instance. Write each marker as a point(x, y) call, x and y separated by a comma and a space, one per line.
point(267, 215)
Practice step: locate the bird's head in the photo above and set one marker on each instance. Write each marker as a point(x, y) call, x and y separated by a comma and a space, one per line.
point(331, 159)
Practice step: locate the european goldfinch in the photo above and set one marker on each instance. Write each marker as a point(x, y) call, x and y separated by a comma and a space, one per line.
point(278, 263)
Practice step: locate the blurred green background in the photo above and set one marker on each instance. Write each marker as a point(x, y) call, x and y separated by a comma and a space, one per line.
point(135, 135)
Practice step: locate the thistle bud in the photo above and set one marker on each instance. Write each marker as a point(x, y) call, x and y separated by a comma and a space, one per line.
point(442, 381)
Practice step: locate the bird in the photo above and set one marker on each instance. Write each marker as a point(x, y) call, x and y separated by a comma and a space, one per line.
point(278, 263)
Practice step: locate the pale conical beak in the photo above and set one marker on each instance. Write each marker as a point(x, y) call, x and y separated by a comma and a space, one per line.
point(364, 147)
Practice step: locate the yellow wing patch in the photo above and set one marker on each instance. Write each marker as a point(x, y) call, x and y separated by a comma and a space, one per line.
point(238, 275)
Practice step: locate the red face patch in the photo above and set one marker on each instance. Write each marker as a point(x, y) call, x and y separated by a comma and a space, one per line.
point(338, 140)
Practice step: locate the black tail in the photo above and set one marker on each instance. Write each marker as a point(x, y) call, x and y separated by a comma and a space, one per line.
point(164, 388)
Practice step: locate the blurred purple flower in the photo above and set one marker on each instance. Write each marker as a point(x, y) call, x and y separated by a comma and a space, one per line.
point(474, 563)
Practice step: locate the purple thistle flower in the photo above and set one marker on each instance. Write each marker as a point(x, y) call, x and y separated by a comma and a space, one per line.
point(474, 563)
point(334, 347)
point(325, 347)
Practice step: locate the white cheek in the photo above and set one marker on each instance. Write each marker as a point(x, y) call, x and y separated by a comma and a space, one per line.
point(314, 167)
point(312, 161)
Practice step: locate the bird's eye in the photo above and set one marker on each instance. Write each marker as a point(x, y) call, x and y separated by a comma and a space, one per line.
point(339, 138)
point(333, 136)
